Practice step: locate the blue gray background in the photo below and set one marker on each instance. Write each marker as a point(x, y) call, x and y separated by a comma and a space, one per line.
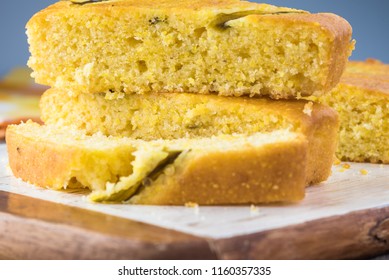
point(370, 21)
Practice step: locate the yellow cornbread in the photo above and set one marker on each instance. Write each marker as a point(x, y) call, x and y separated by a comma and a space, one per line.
point(172, 116)
point(362, 101)
point(227, 169)
point(228, 47)
point(371, 68)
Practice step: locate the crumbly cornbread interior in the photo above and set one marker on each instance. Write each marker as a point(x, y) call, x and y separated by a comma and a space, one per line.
point(183, 115)
point(230, 47)
point(171, 116)
point(362, 103)
point(114, 169)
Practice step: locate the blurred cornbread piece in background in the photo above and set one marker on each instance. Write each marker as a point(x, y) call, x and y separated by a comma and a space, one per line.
point(362, 101)
point(178, 115)
point(260, 168)
point(371, 68)
point(15, 108)
point(19, 98)
point(18, 77)
point(228, 47)
point(19, 80)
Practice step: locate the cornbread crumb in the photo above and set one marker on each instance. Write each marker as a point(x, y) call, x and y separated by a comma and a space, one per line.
point(228, 47)
point(337, 161)
point(346, 166)
point(362, 102)
point(363, 171)
point(253, 209)
point(308, 108)
point(176, 115)
point(191, 205)
point(194, 206)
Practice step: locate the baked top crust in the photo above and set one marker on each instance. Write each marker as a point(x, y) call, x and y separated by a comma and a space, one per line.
point(224, 47)
point(371, 75)
point(169, 5)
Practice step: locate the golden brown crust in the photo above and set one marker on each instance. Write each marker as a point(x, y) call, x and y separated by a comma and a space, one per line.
point(40, 160)
point(263, 173)
point(337, 29)
point(42, 164)
point(341, 33)
point(166, 5)
point(322, 138)
point(371, 68)
point(5, 123)
point(272, 173)
point(374, 86)
point(371, 75)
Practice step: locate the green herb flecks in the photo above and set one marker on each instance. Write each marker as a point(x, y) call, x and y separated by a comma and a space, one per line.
point(221, 21)
point(156, 20)
point(83, 2)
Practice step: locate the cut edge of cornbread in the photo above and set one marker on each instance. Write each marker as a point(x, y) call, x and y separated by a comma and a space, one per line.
point(232, 48)
point(362, 102)
point(229, 169)
point(171, 116)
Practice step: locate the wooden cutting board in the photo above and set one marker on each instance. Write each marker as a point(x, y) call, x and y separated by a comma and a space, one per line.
point(346, 217)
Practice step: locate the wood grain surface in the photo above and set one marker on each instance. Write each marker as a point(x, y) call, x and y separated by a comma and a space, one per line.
point(362, 234)
point(38, 229)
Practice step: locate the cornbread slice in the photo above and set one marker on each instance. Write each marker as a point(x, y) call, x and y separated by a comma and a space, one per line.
point(362, 101)
point(371, 68)
point(172, 116)
point(229, 47)
point(227, 169)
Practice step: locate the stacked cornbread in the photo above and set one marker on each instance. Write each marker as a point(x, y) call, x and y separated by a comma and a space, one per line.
point(169, 102)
